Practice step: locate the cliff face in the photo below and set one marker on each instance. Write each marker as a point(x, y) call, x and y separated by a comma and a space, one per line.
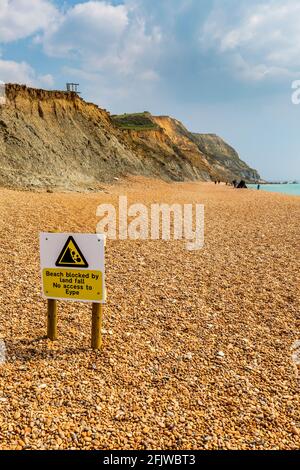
point(224, 158)
point(53, 139)
point(174, 160)
point(208, 154)
point(180, 138)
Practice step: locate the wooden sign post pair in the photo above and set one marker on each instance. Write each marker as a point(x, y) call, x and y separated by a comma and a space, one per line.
point(97, 316)
point(72, 268)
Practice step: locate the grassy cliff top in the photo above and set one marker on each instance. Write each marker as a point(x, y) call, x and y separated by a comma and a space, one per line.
point(135, 121)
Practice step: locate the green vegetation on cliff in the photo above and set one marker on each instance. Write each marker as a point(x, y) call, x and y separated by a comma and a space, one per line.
point(136, 121)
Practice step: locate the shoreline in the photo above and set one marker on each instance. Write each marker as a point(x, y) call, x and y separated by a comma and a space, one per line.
point(135, 180)
point(289, 189)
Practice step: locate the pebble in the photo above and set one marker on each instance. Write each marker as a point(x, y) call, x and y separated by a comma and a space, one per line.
point(221, 354)
point(42, 386)
point(188, 356)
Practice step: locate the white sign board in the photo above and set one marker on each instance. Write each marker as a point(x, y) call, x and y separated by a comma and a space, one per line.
point(72, 266)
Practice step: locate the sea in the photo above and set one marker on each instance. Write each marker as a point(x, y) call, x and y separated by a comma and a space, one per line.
point(291, 189)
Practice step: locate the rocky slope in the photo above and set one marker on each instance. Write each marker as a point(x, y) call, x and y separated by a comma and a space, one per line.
point(207, 155)
point(53, 139)
point(224, 158)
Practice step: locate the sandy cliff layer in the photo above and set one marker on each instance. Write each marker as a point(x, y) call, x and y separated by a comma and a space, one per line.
point(53, 139)
point(56, 139)
point(224, 158)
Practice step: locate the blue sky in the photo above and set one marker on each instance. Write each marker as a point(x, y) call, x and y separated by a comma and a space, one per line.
point(219, 66)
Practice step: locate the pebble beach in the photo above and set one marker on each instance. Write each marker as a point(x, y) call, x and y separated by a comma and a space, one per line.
point(197, 346)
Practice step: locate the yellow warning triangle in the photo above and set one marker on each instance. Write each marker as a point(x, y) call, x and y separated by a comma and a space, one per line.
point(71, 256)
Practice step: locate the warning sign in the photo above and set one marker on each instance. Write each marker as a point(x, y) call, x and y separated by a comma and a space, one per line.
point(73, 266)
point(75, 285)
point(71, 255)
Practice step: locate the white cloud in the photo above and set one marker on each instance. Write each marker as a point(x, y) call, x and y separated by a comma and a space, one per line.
point(22, 18)
point(46, 80)
point(102, 41)
point(149, 75)
point(262, 43)
point(21, 72)
point(103, 37)
point(85, 27)
point(256, 72)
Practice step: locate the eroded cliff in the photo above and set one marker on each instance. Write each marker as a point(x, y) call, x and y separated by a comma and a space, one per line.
point(54, 139)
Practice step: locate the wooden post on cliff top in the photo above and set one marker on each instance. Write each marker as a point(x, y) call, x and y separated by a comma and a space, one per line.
point(52, 320)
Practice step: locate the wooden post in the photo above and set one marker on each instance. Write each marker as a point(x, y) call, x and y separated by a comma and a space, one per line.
point(97, 312)
point(52, 320)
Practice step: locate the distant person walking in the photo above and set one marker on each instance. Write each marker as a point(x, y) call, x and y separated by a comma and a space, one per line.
point(258, 187)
